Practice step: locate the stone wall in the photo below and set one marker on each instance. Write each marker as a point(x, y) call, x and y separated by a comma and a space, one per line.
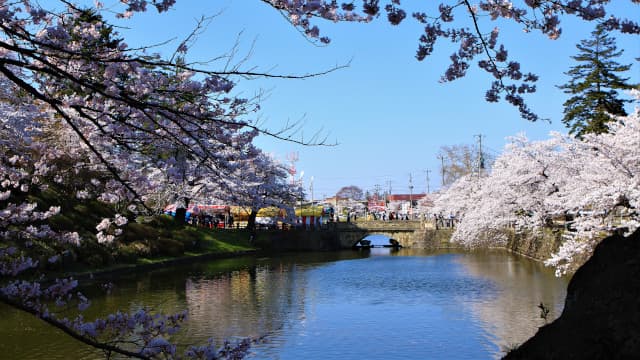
point(539, 245)
point(536, 245)
point(298, 240)
point(432, 239)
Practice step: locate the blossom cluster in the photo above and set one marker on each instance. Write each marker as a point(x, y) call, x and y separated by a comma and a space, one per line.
point(265, 184)
point(590, 185)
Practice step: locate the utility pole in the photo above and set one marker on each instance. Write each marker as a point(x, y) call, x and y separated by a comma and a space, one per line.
point(301, 190)
point(377, 192)
point(384, 197)
point(441, 158)
point(410, 196)
point(388, 193)
point(480, 157)
point(311, 191)
point(427, 172)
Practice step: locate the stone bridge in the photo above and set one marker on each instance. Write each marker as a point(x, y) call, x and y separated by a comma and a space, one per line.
point(411, 234)
point(342, 235)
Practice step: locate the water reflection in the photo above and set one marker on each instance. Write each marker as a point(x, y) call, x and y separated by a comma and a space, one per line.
point(252, 302)
point(376, 304)
point(522, 285)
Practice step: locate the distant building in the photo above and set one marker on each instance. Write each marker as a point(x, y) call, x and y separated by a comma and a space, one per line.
point(400, 203)
point(335, 200)
point(342, 205)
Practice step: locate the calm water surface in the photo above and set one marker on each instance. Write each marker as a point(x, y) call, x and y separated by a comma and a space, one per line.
point(379, 304)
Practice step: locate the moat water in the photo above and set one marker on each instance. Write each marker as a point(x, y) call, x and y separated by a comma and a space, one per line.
point(376, 304)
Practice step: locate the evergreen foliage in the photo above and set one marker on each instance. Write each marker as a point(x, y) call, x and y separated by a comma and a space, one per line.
point(593, 85)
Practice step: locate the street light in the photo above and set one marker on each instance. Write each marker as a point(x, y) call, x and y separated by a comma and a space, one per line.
point(410, 197)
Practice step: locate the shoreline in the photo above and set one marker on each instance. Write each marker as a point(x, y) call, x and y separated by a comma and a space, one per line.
point(133, 268)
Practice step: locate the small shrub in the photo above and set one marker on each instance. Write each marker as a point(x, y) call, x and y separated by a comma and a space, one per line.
point(94, 254)
point(127, 254)
point(139, 232)
point(93, 209)
point(170, 247)
point(60, 222)
point(164, 222)
point(94, 260)
point(189, 239)
point(142, 248)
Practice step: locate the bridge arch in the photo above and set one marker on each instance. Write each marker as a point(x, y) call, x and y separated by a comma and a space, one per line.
point(407, 233)
point(378, 239)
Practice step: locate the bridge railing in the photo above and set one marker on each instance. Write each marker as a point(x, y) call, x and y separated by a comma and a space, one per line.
point(399, 224)
point(382, 225)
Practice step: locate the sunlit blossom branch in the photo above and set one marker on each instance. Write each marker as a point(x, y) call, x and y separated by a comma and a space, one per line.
point(56, 106)
point(67, 330)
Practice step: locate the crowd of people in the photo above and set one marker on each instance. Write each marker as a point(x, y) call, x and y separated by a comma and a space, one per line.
point(217, 221)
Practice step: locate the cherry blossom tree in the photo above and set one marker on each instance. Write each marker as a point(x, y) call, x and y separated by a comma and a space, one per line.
point(25, 170)
point(605, 188)
point(83, 111)
point(591, 180)
point(126, 106)
point(262, 182)
point(514, 194)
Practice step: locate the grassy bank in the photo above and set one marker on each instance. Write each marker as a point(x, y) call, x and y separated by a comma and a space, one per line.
point(147, 246)
point(145, 241)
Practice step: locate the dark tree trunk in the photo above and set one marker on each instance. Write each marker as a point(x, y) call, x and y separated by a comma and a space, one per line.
point(181, 215)
point(251, 222)
point(181, 212)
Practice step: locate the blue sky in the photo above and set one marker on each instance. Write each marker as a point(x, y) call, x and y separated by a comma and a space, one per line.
point(387, 111)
